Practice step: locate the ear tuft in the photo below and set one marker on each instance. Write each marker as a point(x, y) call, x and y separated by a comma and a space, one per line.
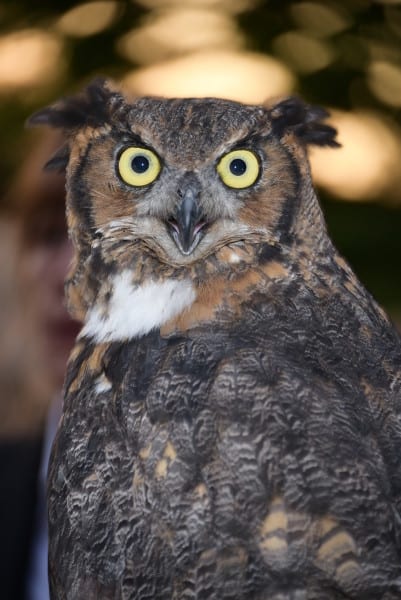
point(59, 161)
point(89, 108)
point(305, 121)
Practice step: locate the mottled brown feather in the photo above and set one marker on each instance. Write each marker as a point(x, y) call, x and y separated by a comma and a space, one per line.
point(248, 448)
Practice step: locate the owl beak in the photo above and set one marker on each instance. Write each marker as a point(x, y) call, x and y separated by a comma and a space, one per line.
point(186, 227)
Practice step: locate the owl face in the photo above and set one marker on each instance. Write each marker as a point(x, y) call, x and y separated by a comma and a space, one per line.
point(184, 190)
point(185, 177)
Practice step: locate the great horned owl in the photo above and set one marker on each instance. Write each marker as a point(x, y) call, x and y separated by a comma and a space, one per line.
point(231, 425)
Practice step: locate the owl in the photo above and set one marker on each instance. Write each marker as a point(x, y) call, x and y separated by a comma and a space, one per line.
point(231, 425)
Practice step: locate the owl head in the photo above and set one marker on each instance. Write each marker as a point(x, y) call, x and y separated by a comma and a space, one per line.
point(171, 182)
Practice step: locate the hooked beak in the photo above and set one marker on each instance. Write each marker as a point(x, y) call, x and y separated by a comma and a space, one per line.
point(187, 226)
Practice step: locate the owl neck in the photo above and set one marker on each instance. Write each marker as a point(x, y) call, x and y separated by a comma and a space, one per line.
point(121, 304)
point(302, 227)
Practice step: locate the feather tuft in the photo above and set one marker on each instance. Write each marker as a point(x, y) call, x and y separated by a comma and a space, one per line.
point(305, 121)
point(89, 108)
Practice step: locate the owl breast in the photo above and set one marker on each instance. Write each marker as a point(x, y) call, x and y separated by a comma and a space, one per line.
point(220, 461)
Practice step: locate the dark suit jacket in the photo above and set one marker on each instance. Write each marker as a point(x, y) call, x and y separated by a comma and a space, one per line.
point(19, 467)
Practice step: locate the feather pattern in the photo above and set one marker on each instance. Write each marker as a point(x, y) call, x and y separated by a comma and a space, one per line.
point(231, 426)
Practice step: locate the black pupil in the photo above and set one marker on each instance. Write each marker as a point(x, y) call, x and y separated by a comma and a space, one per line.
point(140, 163)
point(237, 166)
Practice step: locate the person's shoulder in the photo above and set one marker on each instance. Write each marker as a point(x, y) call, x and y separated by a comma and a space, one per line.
point(19, 467)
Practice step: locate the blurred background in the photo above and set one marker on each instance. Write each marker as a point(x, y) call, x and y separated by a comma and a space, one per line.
point(342, 54)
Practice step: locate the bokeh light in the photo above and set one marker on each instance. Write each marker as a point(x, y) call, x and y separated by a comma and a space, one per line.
point(179, 30)
point(229, 6)
point(384, 80)
point(367, 166)
point(303, 53)
point(247, 77)
point(89, 18)
point(28, 58)
point(320, 19)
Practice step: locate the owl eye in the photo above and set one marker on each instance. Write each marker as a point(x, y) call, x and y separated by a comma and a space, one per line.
point(239, 168)
point(138, 166)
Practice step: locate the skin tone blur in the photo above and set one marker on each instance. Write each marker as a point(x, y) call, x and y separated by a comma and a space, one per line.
point(45, 253)
point(44, 263)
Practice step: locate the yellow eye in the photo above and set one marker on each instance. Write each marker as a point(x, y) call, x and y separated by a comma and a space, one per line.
point(138, 166)
point(239, 169)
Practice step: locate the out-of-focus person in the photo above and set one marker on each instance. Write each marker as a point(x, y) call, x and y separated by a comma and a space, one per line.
point(31, 405)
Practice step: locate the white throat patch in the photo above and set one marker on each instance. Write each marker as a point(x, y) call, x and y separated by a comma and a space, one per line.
point(133, 310)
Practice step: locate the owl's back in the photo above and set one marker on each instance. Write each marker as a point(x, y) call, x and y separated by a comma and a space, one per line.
point(255, 462)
